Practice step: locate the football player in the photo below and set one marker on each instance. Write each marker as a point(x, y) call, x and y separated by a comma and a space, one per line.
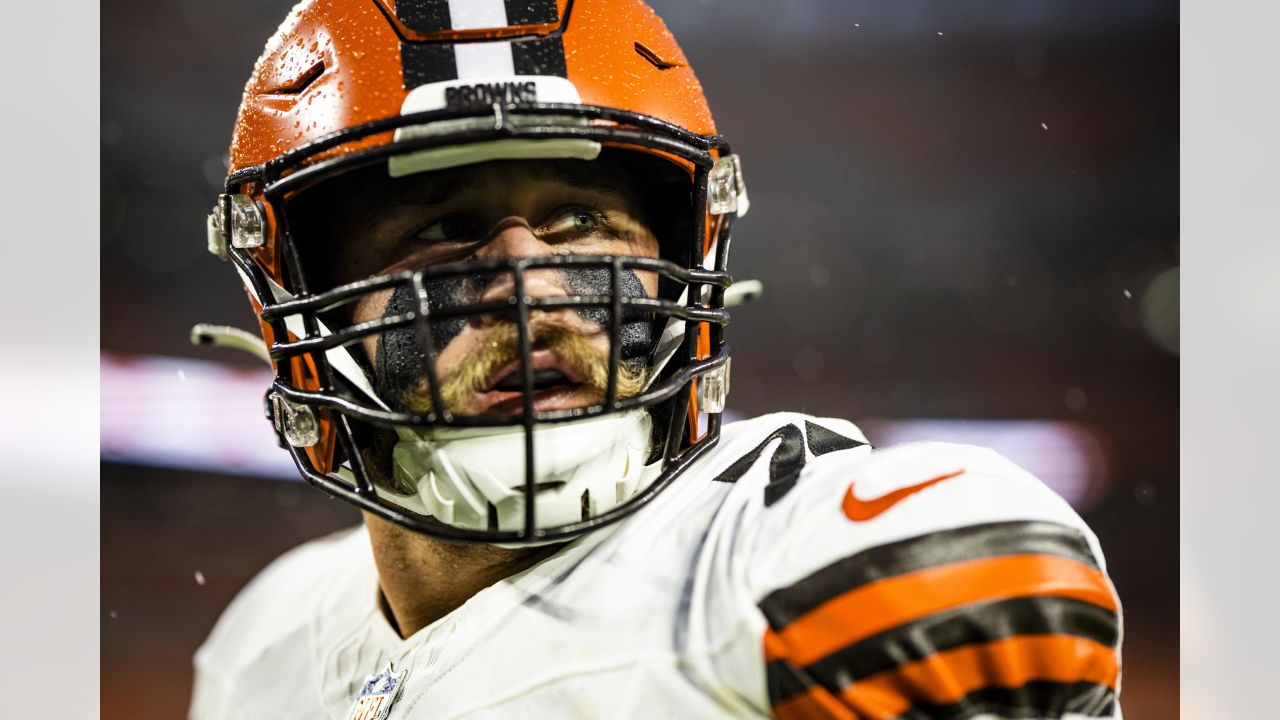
point(487, 241)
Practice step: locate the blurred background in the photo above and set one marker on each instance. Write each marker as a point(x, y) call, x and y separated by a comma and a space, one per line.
point(965, 216)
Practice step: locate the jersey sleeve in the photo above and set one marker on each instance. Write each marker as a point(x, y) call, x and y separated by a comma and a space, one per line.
point(929, 581)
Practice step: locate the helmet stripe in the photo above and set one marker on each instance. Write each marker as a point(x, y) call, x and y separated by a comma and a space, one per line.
point(426, 63)
point(424, 15)
point(531, 12)
point(437, 15)
point(478, 14)
point(541, 56)
point(483, 59)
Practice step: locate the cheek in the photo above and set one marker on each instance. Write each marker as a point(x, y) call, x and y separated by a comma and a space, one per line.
point(637, 245)
point(368, 308)
point(650, 282)
point(647, 246)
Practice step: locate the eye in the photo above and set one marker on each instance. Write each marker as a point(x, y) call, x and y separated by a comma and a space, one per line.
point(448, 229)
point(573, 221)
point(583, 221)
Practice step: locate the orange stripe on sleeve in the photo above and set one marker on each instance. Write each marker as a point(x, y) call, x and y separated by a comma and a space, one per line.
point(774, 648)
point(948, 676)
point(894, 601)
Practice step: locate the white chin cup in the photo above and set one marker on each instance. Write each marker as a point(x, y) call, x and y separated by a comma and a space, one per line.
point(466, 478)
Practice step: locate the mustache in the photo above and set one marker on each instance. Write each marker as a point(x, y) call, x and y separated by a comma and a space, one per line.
point(499, 347)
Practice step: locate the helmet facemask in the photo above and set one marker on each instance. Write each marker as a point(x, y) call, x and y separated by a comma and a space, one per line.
point(406, 446)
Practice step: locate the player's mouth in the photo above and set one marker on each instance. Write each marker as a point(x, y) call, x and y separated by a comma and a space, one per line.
point(557, 385)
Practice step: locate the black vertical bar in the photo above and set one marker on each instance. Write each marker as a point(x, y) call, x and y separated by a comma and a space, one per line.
point(539, 56)
point(424, 15)
point(675, 429)
point(698, 241)
point(713, 427)
point(531, 12)
point(723, 237)
point(696, 259)
point(680, 402)
point(526, 387)
point(615, 334)
point(422, 322)
point(364, 485)
point(717, 292)
point(423, 63)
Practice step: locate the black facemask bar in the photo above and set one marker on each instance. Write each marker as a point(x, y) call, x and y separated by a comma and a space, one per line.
point(667, 398)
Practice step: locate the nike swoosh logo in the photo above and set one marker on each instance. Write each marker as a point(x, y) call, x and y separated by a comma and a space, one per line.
point(864, 510)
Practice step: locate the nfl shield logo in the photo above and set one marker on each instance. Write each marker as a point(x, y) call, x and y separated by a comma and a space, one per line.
point(377, 694)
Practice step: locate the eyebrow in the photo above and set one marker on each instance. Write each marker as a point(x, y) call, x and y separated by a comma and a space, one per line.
point(591, 175)
point(437, 193)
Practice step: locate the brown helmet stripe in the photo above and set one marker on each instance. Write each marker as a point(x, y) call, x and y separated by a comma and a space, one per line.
point(539, 56)
point(531, 12)
point(435, 15)
point(426, 63)
point(424, 15)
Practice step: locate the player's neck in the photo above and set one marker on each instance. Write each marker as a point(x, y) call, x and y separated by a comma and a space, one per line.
point(424, 578)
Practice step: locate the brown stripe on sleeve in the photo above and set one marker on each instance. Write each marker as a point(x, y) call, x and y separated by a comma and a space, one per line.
point(889, 603)
point(785, 605)
point(947, 677)
point(966, 625)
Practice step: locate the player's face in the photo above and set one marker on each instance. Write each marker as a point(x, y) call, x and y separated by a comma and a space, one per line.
point(491, 211)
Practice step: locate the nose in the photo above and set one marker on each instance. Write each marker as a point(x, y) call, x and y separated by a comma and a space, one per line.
point(513, 238)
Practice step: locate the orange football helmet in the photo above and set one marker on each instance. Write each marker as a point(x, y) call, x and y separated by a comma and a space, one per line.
point(420, 85)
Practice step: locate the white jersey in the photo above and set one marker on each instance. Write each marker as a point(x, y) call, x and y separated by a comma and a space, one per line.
point(793, 572)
